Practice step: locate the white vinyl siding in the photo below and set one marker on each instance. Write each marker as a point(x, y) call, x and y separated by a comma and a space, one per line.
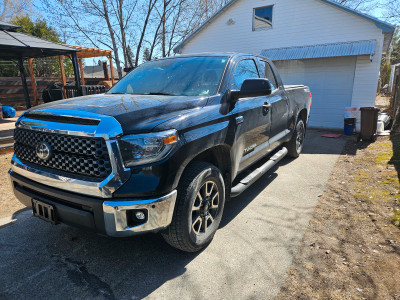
point(295, 23)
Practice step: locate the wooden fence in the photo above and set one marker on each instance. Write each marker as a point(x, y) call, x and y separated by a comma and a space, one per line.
point(12, 93)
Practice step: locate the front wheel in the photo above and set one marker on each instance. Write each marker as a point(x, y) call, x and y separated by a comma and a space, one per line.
point(295, 145)
point(198, 209)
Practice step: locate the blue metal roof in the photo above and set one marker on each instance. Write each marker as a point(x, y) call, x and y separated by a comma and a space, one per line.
point(323, 50)
point(384, 26)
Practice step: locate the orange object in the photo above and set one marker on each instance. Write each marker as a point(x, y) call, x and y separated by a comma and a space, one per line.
point(170, 139)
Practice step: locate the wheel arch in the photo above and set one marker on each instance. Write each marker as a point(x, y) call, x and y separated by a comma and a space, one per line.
point(218, 155)
point(303, 116)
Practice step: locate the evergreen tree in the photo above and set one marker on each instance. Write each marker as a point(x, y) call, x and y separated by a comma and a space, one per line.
point(146, 55)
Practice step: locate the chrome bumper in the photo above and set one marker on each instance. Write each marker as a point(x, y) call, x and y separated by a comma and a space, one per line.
point(159, 215)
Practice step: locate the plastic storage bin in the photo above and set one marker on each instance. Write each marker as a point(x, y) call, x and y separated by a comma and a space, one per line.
point(349, 126)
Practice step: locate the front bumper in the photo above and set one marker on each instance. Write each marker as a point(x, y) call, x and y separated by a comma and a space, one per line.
point(112, 217)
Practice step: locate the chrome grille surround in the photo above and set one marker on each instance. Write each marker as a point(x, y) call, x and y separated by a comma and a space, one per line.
point(107, 129)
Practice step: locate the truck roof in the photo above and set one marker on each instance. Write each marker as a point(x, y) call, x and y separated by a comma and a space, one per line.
point(216, 54)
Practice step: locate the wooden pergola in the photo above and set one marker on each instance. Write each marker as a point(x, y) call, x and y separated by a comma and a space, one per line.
point(87, 52)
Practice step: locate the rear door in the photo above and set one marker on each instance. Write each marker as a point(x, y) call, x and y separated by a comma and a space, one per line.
point(253, 120)
point(279, 104)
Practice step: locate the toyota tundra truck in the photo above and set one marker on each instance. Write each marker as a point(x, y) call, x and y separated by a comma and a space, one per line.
point(162, 150)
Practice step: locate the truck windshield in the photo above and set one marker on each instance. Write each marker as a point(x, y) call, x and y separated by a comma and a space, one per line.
point(186, 76)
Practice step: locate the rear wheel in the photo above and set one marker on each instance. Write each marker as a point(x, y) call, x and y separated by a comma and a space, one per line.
point(198, 209)
point(295, 145)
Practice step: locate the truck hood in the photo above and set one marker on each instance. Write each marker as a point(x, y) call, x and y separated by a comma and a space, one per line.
point(135, 113)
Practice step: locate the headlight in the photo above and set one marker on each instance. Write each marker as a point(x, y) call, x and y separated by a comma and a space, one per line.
point(141, 149)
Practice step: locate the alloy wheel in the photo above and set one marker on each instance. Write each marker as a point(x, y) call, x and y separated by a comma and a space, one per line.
point(300, 136)
point(205, 208)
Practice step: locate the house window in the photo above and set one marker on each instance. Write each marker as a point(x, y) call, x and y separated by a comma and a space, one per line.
point(262, 18)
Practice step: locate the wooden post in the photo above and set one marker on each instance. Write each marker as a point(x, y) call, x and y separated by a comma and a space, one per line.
point(34, 88)
point(111, 69)
point(64, 80)
point(24, 85)
point(81, 69)
point(105, 71)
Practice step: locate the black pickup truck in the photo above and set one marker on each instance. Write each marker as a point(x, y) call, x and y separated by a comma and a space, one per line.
point(161, 150)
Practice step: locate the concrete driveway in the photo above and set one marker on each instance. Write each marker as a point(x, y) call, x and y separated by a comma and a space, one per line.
point(248, 258)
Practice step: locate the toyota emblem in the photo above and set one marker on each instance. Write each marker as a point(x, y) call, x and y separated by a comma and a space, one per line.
point(43, 150)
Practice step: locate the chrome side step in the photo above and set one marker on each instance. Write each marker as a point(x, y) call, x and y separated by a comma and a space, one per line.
point(257, 173)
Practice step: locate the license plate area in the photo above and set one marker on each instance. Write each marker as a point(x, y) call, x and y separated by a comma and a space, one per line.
point(44, 211)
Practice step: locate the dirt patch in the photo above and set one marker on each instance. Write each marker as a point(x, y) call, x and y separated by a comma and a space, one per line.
point(8, 203)
point(351, 249)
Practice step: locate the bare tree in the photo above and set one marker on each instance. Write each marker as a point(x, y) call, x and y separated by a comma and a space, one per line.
point(358, 4)
point(10, 9)
point(149, 10)
point(130, 26)
point(123, 21)
point(97, 22)
point(392, 11)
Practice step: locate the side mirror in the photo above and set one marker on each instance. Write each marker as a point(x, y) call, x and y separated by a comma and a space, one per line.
point(256, 87)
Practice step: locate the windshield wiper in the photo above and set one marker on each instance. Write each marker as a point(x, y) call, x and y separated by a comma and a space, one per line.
point(159, 94)
point(117, 93)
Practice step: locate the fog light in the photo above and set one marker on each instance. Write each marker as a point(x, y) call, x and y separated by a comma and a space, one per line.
point(140, 215)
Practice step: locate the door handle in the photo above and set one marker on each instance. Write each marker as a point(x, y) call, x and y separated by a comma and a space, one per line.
point(266, 106)
point(239, 120)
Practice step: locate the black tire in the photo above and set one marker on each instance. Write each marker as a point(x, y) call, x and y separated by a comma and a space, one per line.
point(184, 233)
point(295, 145)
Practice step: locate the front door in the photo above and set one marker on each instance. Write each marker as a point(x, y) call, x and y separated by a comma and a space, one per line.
point(253, 119)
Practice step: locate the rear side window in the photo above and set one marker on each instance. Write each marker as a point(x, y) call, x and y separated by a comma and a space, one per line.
point(245, 69)
point(266, 72)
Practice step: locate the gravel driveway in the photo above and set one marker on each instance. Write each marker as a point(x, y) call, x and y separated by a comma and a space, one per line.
point(248, 258)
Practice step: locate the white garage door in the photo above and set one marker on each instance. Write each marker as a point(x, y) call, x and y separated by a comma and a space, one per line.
point(331, 84)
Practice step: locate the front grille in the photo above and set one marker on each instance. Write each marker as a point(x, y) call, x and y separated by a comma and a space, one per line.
point(71, 155)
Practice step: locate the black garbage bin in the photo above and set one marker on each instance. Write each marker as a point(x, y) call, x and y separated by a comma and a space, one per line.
point(369, 120)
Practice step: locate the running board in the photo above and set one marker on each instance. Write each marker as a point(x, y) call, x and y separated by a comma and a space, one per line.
point(257, 173)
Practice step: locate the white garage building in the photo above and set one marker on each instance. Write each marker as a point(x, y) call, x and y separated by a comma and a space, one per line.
point(334, 50)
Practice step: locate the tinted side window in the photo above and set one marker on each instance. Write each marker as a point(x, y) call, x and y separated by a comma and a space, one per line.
point(245, 69)
point(266, 72)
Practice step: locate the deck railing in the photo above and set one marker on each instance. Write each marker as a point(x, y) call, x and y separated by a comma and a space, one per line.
point(72, 90)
